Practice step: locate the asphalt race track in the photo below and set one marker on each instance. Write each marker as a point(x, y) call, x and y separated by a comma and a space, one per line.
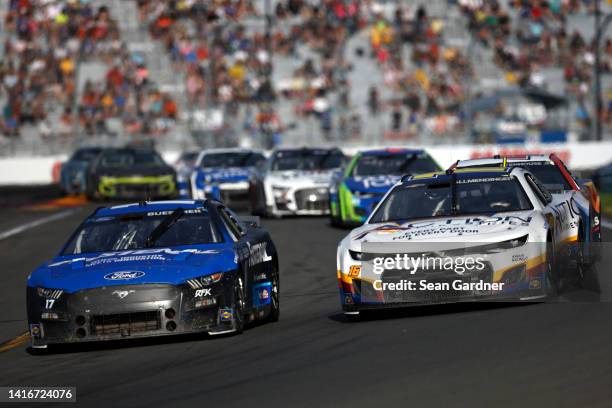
point(553, 354)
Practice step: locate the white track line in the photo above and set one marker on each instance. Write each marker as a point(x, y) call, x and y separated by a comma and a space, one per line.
point(24, 227)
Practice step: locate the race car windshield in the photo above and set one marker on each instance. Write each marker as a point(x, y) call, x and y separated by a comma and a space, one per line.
point(435, 199)
point(129, 158)
point(370, 165)
point(550, 176)
point(106, 234)
point(224, 160)
point(307, 160)
point(85, 155)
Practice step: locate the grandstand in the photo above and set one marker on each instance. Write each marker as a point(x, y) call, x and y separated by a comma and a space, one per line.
point(345, 72)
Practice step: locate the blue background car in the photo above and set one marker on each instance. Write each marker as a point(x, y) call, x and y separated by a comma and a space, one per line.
point(224, 174)
point(73, 174)
point(358, 188)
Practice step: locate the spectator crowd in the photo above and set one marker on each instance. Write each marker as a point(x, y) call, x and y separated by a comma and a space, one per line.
point(228, 60)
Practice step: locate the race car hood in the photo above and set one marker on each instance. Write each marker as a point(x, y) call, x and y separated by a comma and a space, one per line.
point(467, 230)
point(158, 265)
point(224, 174)
point(297, 177)
point(371, 184)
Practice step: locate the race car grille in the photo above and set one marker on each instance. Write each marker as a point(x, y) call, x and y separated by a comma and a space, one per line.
point(138, 190)
point(312, 199)
point(126, 323)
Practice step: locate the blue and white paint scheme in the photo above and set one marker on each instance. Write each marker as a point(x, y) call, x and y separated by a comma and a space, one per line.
point(224, 173)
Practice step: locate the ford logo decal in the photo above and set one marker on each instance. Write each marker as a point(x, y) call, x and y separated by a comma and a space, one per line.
point(124, 275)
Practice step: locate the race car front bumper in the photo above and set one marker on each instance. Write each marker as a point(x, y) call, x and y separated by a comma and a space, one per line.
point(300, 201)
point(128, 311)
point(356, 207)
point(523, 280)
point(144, 187)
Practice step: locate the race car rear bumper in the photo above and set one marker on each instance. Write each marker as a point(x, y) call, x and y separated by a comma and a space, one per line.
point(129, 311)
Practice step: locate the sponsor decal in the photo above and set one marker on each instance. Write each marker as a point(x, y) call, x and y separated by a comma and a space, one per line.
point(36, 330)
point(124, 275)
point(258, 254)
point(377, 181)
point(259, 277)
point(203, 292)
point(122, 293)
point(168, 212)
point(449, 226)
point(225, 315)
point(484, 179)
point(264, 294)
point(135, 255)
point(535, 284)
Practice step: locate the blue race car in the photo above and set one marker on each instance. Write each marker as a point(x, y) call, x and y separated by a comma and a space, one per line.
point(357, 189)
point(184, 166)
point(73, 173)
point(224, 174)
point(155, 269)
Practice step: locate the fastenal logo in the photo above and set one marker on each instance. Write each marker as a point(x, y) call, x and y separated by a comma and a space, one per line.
point(123, 293)
point(124, 275)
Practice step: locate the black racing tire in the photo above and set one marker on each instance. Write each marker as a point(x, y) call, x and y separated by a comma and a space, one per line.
point(258, 201)
point(274, 314)
point(239, 306)
point(335, 221)
point(586, 272)
point(581, 264)
point(551, 275)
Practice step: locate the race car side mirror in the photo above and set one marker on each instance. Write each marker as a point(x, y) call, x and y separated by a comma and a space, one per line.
point(250, 221)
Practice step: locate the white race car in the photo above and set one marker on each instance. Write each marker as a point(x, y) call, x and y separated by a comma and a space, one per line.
point(459, 235)
point(579, 194)
point(295, 182)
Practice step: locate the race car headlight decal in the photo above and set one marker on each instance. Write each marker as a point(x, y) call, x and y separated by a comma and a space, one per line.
point(488, 248)
point(513, 243)
point(206, 280)
point(49, 293)
point(279, 191)
point(355, 255)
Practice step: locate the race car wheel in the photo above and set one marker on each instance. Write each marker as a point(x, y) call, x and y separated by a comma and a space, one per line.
point(586, 272)
point(581, 266)
point(239, 305)
point(552, 288)
point(274, 314)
